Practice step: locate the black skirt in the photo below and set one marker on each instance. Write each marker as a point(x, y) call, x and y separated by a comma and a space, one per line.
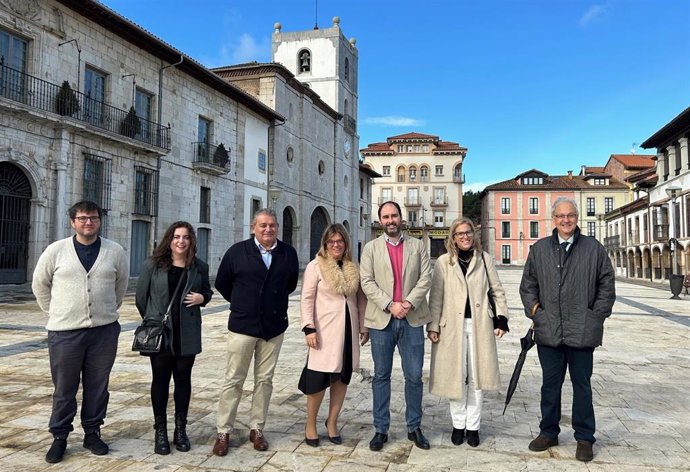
point(312, 381)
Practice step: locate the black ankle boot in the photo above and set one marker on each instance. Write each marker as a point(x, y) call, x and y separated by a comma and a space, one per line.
point(180, 439)
point(161, 444)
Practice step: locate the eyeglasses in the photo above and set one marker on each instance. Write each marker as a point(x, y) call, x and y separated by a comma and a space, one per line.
point(84, 219)
point(569, 216)
point(463, 234)
point(337, 242)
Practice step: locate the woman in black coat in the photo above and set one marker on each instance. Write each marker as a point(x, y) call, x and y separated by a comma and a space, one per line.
point(174, 269)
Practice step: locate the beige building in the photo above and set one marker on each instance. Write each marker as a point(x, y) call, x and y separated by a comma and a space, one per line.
point(424, 175)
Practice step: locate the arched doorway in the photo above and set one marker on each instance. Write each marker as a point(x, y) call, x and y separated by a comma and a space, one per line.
point(318, 223)
point(15, 213)
point(288, 224)
point(346, 224)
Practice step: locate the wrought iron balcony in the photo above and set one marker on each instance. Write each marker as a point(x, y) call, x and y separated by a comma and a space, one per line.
point(23, 88)
point(210, 158)
point(412, 202)
point(439, 201)
point(612, 242)
point(660, 233)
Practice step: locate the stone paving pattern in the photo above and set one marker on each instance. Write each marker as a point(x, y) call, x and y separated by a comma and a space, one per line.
point(641, 382)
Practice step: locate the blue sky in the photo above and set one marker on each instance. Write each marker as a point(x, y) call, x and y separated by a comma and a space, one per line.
point(546, 84)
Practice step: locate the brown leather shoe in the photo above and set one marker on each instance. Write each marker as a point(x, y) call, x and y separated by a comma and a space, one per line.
point(256, 436)
point(220, 448)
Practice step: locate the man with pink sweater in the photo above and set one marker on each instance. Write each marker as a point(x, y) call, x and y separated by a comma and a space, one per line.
point(395, 277)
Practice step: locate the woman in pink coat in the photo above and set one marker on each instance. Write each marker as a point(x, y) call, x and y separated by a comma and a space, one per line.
point(333, 306)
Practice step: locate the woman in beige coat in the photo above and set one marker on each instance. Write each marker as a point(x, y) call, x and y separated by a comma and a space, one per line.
point(463, 329)
point(333, 306)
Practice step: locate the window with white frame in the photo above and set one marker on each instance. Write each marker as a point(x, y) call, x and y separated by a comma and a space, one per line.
point(533, 205)
point(608, 204)
point(591, 229)
point(439, 171)
point(413, 173)
point(591, 206)
point(533, 229)
point(386, 171)
point(505, 254)
point(412, 196)
point(505, 205)
point(424, 173)
point(438, 219)
point(505, 229)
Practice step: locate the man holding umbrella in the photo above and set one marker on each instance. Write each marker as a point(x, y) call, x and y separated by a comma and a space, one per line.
point(567, 289)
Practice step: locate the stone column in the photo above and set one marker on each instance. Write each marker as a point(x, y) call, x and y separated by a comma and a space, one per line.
point(672, 163)
point(684, 157)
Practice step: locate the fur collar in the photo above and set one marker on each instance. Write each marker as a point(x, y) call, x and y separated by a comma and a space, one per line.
point(344, 282)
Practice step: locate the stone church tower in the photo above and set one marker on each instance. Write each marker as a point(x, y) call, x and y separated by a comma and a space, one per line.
point(325, 62)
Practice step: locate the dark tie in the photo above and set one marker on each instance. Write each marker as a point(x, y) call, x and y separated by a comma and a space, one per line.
point(564, 246)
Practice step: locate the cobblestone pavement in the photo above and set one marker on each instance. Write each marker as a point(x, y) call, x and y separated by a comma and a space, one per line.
point(641, 382)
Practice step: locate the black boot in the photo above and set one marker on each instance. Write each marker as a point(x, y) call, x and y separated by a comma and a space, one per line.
point(180, 439)
point(161, 444)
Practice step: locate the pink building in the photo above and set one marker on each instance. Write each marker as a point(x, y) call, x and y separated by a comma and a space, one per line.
point(517, 212)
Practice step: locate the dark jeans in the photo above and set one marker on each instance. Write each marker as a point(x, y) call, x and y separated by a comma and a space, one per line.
point(85, 355)
point(554, 361)
point(163, 367)
point(410, 342)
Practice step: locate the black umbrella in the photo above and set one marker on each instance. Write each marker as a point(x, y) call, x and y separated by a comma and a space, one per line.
point(527, 342)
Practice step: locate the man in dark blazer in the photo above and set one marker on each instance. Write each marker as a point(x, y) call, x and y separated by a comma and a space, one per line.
point(256, 276)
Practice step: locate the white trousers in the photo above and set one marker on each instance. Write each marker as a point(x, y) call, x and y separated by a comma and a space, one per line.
point(466, 413)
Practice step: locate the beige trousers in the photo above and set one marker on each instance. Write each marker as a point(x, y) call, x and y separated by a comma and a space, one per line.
point(241, 349)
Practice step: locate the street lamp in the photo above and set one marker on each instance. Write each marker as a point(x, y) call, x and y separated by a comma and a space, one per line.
point(676, 281)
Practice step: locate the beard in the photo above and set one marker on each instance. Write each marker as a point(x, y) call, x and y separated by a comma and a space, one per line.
point(395, 231)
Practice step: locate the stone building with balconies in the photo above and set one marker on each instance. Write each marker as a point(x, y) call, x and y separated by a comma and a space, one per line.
point(94, 107)
point(650, 237)
point(424, 175)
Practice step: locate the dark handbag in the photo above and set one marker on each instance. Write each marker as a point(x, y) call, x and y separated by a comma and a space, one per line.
point(149, 337)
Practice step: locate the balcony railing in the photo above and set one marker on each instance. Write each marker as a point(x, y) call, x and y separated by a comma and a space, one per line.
point(612, 241)
point(412, 202)
point(439, 201)
point(42, 95)
point(660, 233)
point(211, 158)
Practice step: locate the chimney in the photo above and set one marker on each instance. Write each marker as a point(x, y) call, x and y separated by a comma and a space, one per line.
point(570, 175)
point(583, 170)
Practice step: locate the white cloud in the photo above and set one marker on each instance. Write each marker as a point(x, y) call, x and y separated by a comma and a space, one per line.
point(243, 49)
point(393, 120)
point(594, 12)
point(248, 49)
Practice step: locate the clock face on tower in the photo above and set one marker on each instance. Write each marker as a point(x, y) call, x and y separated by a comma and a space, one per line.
point(347, 147)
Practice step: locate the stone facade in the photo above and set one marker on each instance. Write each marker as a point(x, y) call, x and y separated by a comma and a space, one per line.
point(314, 175)
point(147, 175)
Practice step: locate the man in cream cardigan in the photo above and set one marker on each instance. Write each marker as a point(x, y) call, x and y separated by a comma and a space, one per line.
point(395, 277)
point(80, 282)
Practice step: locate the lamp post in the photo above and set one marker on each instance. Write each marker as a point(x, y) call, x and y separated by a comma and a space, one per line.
point(676, 281)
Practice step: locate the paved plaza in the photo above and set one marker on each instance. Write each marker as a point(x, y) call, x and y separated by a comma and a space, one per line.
point(641, 382)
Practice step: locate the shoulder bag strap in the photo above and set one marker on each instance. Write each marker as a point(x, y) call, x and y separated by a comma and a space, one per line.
point(172, 299)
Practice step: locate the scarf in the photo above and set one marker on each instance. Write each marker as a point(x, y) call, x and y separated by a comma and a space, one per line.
point(342, 280)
